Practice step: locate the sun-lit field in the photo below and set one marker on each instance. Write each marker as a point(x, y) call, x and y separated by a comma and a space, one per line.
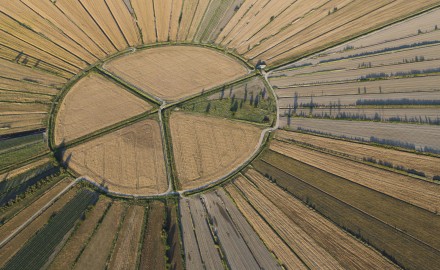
point(207, 134)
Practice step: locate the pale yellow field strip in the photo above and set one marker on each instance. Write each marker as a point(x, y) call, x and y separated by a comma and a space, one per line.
point(73, 52)
point(100, 12)
point(125, 21)
point(162, 13)
point(75, 11)
point(50, 12)
point(426, 164)
point(176, 11)
point(144, 11)
point(188, 12)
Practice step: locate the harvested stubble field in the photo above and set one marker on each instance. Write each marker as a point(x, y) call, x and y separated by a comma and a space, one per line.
point(176, 11)
point(234, 230)
point(391, 59)
point(21, 73)
point(329, 236)
point(13, 85)
point(94, 95)
point(335, 28)
point(383, 221)
point(126, 252)
point(64, 53)
point(125, 21)
point(127, 161)
point(153, 247)
point(15, 244)
point(197, 17)
point(11, 124)
point(175, 72)
point(102, 16)
point(208, 148)
point(50, 12)
point(409, 28)
point(428, 136)
point(77, 242)
point(76, 12)
point(417, 192)
point(307, 249)
point(162, 11)
point(97, 252)
point(426, 164)
point(145, 16)
point(273, 242)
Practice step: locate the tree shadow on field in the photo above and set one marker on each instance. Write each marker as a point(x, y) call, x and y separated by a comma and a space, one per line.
point(59, 155)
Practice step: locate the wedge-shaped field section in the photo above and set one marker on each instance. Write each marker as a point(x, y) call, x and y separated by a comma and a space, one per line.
point(208, 148)
point(127, 161)
point(92, 104)
point(175, 72)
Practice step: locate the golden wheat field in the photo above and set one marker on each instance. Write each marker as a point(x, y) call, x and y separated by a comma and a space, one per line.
point(176, 72)
point(208, 148)
point(129, 161)
point(97, 96)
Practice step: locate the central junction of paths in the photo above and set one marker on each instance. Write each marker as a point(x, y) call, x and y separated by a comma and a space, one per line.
point(120, 127)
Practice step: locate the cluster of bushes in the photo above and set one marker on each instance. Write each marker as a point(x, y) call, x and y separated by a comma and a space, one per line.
point(388, 49)
point(397, 167)
point(18, 193)
point(399, 74)
point(396, 102)
point(373, 139)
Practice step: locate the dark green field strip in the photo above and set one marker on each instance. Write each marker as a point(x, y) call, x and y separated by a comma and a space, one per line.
point(22, 154)
point(36, 253)
point(399, 230)
point(7, 144)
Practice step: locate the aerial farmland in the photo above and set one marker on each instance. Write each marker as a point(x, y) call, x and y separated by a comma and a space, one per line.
point(235, 134)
